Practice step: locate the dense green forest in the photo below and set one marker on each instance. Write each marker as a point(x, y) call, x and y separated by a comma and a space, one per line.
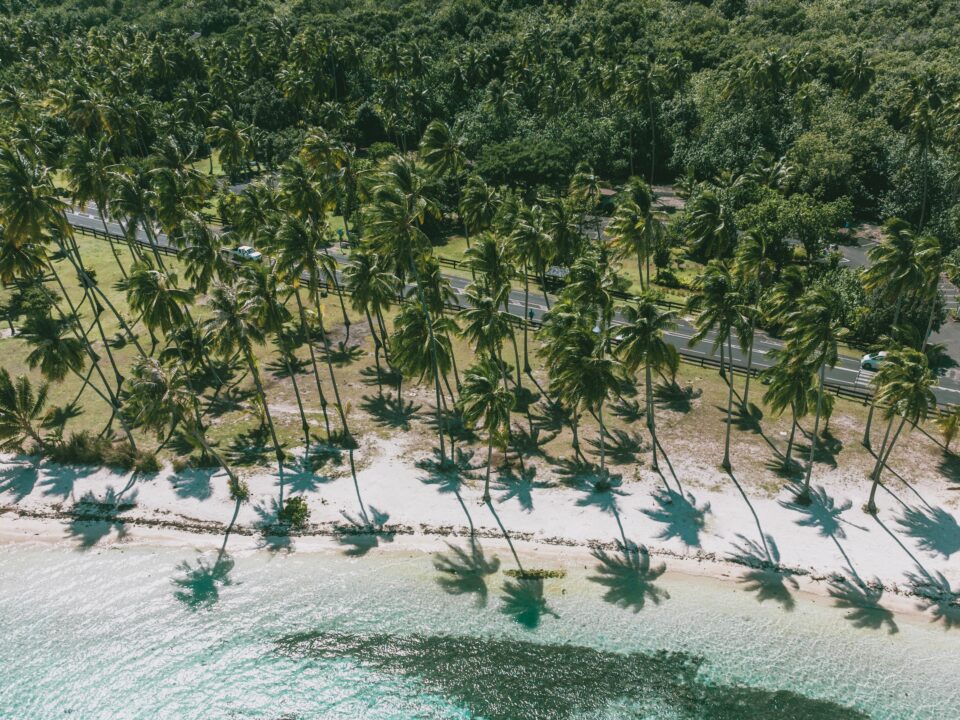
point(857, 100)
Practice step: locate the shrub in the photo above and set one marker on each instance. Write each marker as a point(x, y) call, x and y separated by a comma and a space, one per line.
point(295, 512)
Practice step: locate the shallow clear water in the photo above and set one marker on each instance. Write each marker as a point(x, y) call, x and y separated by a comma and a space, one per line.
point(136, 633)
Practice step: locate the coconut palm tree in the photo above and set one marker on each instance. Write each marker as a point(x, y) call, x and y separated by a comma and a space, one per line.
point(893, 274)
point(529, 247)
point(479, 203)
point(234, 326)
point(711, 226)
point(372, 289)
point(484, 401)
point(814, 332)
point(948, 422)
point(789, 385)
point(718, 300)
point(233, 138)
point(441, 151)
point(21, 412)
point(155, 296)
point(756, 268)
point(642, 344)
point(904, 385)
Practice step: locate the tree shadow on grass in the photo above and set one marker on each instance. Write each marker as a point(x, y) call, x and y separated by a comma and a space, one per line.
point(828, 447)
point(95, 518)
point(575, 473)
point(550, 417)
point(281, 369)
point(949, 468)
point(232, 399)
point(630, 411)
point(342, 354)
point(386, 376)
point(301, 474)
point(452, 425)
point(673, 396)
point(200, 583)
point(938, 597)
point(747, 419)
point(520, 486)
point(523, 601)
point(765, 577)
point(389, 410)
point(935, 530)
point(252, 447)
point(621, 446)
point(862, 601)
point(629, 578)
point(680, 514)
point(530, 444)
point(361, 535)
point(464, 571)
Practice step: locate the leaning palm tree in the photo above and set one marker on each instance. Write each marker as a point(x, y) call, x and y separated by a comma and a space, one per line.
point(372, 289)
point(154, 294)
point(529, 248)
point(160, 398)
point(441, 151)
point(718, 300)
point(904, 385)
point(234, 326)
point(642, 344)
point(812, 338)
point(789, 386)
point(894, 274)
point(479, 203)
point(711, 226)
point(948, 422)
point(22, 412)
point(484, 401)
point(755, 267)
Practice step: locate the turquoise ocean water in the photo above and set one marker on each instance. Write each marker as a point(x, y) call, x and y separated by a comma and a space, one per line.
point(143, 632)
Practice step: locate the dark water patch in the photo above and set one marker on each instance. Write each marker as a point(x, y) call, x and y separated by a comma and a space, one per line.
point(501, 679)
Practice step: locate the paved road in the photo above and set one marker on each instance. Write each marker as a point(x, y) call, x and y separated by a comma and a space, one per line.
point(847, 373)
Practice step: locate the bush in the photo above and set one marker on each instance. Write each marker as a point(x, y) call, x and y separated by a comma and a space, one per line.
point(85, 448)
point(295, 512)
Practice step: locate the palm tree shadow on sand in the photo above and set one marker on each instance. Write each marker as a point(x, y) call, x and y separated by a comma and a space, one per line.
point(937, 597)
point(520, 486)
point(680, 514)
point(360, 535)
point(449, 478)
point(629, 578)
point(862, 601)
point(464, 571)
point(765, 576)
point(93, 518)
point(390, 411)
point(523, 601)
point(935, 530)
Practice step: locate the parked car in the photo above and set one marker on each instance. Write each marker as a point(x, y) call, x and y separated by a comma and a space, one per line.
point(245, 253)
point(873, 361)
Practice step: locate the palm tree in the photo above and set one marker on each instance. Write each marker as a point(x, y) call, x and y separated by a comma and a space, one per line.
point(755, 267)
point(789, 385)
point(442, 153)
point(948, 421)
point(711, 226)
point(718, 300)
point(529, 244)
point(893, 274)
point(484, 401)
point(904, 385)
point(21, 412)
point(478, 206)
point(372, 290)
point(155, 296)
point(161, 398)
point(642, 343)
point(812, 338)
point(233, 139)
point(586, 375)
point(234, 326)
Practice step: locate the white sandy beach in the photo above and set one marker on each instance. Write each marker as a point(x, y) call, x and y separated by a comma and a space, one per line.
point(907, 554)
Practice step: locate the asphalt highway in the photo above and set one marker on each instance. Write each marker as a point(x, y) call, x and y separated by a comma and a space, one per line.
point(846, 374)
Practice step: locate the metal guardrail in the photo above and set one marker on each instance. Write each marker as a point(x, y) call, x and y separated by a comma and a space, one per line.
point(686, 356)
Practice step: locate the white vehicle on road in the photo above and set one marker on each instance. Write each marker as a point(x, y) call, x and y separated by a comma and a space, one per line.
point(873, 361)
point(246, 253)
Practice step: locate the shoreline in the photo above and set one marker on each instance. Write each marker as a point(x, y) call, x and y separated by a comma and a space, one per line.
point(206, 536)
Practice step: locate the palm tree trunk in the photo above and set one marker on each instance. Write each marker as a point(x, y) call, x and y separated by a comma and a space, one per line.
point(793, 429)
point(348, 439)
point(651, 424)
point(726, 445)
point(339, 291)
point(526, 315)
point(376, 351)
point(305, 328)
point(433, 359)
point(486, 482)
point(603, 439)
point(252, 364)
point(804, 496)
point(873, 401)
point(296, 393)
point(746, 385)
point(881, 461)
